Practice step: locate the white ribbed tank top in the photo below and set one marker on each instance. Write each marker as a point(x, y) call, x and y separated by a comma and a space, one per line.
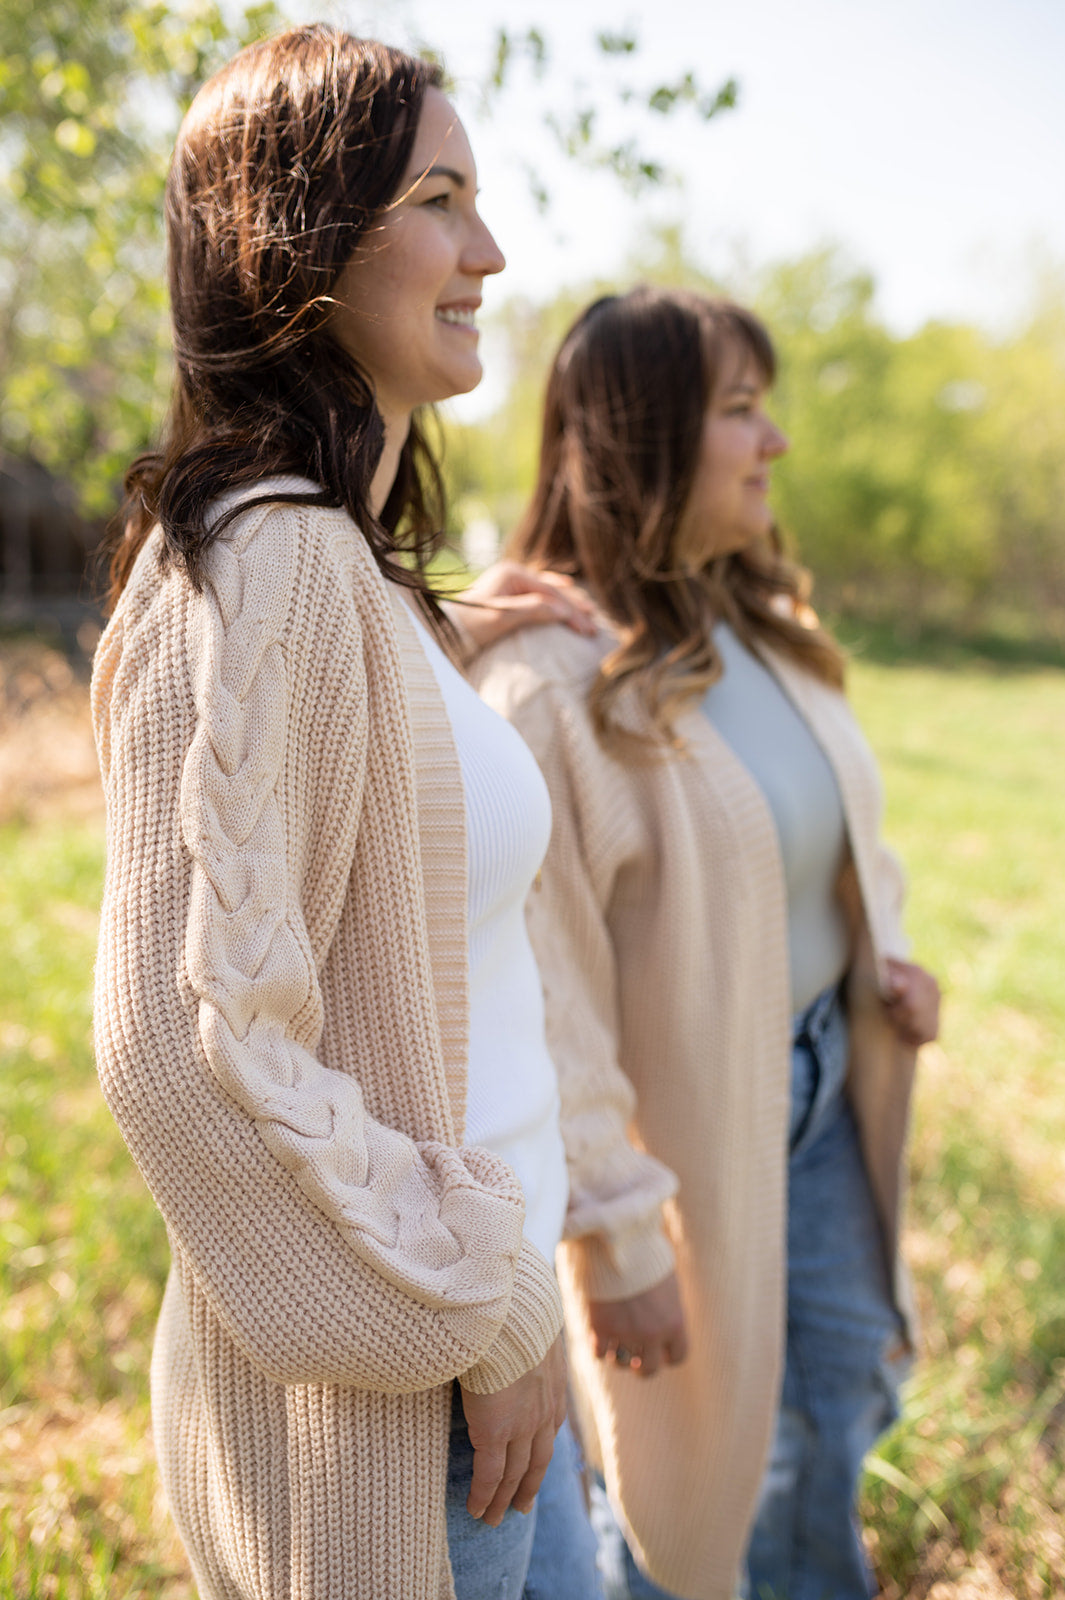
point(512, 1105)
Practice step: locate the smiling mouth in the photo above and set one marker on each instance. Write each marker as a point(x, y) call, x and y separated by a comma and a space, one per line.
point(458, 316)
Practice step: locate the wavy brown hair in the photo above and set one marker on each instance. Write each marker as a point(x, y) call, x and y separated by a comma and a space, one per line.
point(282, 163)
point(623, 422)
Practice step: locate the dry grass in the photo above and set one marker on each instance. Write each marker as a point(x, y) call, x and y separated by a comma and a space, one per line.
point(47, 760)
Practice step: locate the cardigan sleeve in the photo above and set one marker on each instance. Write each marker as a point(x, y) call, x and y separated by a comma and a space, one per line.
point(890, 891)
point(334, 1248)
point(617, 1191)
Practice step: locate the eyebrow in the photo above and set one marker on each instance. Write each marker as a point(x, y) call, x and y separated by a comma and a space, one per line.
point(457, 178)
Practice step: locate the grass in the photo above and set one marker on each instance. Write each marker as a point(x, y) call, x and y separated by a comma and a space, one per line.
point(964, 1499)
point(83, 1260)
point(967, 1494)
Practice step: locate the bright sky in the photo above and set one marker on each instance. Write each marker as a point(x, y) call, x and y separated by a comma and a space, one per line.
point(926, 137)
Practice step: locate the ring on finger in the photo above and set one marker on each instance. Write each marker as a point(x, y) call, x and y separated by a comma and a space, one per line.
point(622, 1356)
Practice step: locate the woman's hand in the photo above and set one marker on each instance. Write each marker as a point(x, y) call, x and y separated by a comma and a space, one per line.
point(643, 1333)
point(513, 1436)
point(507, 596)
point(912, 1002)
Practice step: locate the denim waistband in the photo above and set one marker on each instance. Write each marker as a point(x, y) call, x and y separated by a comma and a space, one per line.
point(814, 1022)
point(818, 1067)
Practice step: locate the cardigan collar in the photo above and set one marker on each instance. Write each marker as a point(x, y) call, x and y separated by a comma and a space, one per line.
point(442, 833)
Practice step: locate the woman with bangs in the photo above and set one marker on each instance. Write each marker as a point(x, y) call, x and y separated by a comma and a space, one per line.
point(729, 1000)
point(318, 1019)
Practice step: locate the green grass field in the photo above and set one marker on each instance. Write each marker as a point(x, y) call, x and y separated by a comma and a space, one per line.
point(964, 1499)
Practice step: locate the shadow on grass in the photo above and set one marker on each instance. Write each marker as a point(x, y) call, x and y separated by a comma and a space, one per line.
point(900, 643)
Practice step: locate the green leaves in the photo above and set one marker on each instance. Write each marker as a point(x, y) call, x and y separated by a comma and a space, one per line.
point(91, 94)
point(925, 479)
point(577, 133)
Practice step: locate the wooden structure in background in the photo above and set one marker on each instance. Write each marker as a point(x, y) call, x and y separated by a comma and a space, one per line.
point(45, 546)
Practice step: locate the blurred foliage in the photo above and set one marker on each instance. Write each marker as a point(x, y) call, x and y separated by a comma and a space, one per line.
point(926, 476)
point(91, 93)
point(588, 133)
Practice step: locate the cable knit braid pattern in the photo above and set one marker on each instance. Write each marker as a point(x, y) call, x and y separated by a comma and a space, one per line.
point(280, 1035)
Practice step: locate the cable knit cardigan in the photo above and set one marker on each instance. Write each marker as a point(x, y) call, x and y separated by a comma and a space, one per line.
point(660, 929)
point(281, 1034)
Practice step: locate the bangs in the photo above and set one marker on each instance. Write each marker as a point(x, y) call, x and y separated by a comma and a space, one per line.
point(729, 330)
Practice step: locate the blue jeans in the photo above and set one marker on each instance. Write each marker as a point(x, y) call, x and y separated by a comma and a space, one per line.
point(547, 1555)
point(839, 1391)
point(843, 1359)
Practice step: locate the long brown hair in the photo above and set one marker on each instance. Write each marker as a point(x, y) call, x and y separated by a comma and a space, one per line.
point(283, 161)
point(623, 421)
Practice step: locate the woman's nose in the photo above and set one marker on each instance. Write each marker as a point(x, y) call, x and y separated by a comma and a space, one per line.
point(483, 257)
point(776, 442)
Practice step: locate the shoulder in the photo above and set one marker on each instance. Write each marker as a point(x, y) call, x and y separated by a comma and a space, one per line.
point(294, 572)
point(276, 540)
point(539, 679)
point(541, 662)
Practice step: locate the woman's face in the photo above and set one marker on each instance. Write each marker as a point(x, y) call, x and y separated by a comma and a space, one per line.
point(728, 507)
point(406, 301)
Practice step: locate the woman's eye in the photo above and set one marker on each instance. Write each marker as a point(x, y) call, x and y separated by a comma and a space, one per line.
point(441, 201)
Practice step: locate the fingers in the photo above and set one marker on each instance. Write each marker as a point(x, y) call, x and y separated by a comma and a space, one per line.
point(512, 1433)
point(911, 1000)
point(644, 1332)
point(543, 607)
point(677, 1346)
point(510, 1473)
point(515, 1470)
point(651, 1356)
point(489, 1469)
point(543, 1447)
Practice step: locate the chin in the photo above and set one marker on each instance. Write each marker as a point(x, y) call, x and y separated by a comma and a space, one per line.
point(459, 382)
point(473, 376)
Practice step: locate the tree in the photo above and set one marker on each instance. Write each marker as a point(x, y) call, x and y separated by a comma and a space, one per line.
point(925, 477)
point(91, 93)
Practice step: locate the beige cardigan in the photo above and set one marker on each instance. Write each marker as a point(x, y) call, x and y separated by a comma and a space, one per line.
point(281, 1034)
point(660, 929)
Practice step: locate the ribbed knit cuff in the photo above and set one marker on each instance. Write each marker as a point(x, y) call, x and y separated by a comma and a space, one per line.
point(624, 1265)
point(534, 1322)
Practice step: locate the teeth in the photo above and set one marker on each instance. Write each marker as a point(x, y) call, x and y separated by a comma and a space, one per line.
point(463, 319)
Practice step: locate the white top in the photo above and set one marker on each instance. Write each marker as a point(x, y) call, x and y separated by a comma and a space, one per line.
point(753, 714)
point(512, 1104)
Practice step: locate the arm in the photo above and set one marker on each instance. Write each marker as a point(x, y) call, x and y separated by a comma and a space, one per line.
point(617, 1191)
point(334, 1248)
point(908, 992)
point(508, 596)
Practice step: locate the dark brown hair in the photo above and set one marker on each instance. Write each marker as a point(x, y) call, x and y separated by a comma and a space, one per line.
point(283, 161)
point(623, 422)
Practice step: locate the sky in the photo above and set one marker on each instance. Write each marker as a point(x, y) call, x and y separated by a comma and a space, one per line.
point(925, 138)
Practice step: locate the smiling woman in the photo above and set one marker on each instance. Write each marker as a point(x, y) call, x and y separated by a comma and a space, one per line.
point(318, 1019)
point(728, 1003)
point(406, 302)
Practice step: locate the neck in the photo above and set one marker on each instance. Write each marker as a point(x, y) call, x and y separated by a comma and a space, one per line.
point(396, 431)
